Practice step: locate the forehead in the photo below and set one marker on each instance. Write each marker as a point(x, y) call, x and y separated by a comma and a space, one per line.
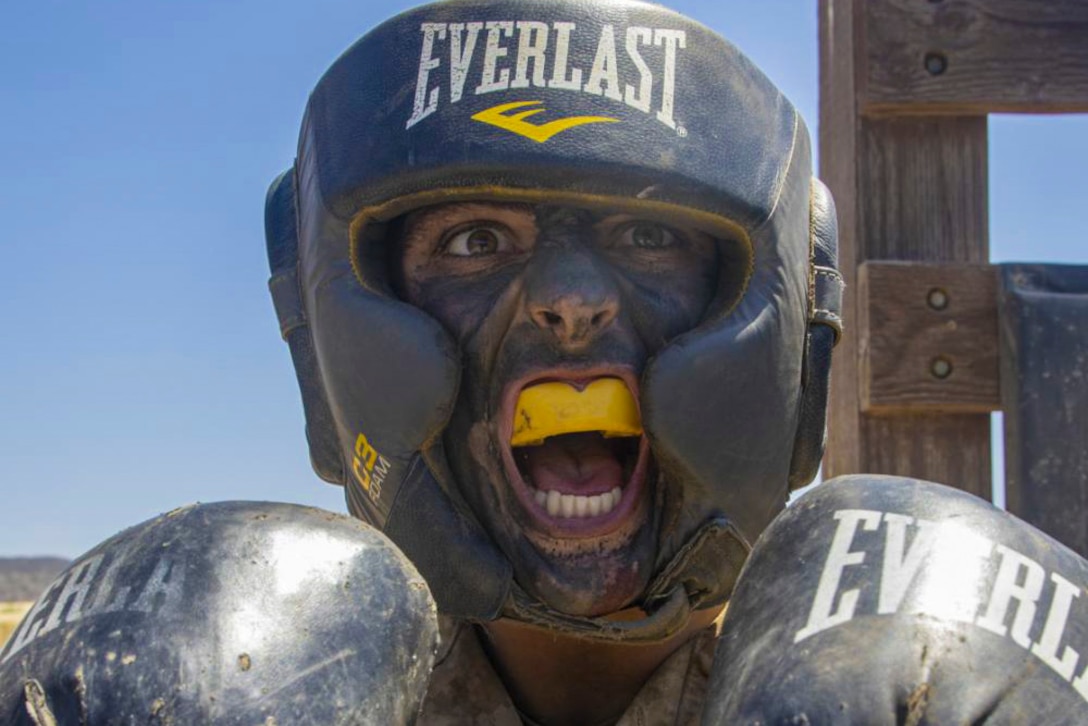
point(440, 213)
point(440, 216)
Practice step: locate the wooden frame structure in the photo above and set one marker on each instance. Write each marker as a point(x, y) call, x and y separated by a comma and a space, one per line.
point(905, 89)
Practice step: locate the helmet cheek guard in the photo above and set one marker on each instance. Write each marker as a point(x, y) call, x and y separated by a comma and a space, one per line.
point(616, 105)
point(368, 430)
point(757, 375)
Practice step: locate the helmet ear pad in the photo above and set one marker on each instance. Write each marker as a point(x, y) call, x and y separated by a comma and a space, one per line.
point(808, 447)
point(824, 329)
point(281, 239)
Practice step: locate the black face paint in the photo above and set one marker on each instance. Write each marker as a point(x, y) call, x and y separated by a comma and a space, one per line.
point(574, 295)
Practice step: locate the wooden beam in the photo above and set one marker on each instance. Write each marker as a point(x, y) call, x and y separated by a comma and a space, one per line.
point(838, 125)
point(971, 57)
point(906, 189)
point(928, 338)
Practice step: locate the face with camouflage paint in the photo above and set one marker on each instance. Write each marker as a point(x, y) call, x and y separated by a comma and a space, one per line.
point(538, 294)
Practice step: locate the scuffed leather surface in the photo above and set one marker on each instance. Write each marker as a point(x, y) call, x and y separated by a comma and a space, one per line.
point(738, 129)
point(788, 656)
point(227, 613)
point(1044, 396)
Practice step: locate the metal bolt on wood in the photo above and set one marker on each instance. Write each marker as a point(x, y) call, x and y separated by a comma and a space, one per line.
point(936, 63)
point(940, 367)
point(937, 299)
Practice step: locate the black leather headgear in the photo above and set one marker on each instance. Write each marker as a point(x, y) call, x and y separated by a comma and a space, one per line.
point(613, 104)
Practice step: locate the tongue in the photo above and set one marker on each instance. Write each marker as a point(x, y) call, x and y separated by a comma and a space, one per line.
point(574, 464)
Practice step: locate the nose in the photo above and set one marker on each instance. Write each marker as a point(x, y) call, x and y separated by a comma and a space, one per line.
point(569, 295)
point(573, 319)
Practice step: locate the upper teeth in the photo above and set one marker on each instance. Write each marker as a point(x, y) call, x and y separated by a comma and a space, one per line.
point(576, 505)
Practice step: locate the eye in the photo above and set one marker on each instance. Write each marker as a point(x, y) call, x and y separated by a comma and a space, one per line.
point(647, 236)
point(478, 240)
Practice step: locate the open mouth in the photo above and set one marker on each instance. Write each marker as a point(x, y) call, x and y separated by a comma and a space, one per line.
point(575, 454)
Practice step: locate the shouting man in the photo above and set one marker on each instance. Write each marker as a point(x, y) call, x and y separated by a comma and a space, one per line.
point(560, 292)
point(562, 314)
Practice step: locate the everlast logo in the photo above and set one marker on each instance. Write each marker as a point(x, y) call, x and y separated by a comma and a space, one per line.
point(531, 54)
point(95, 587)
point(943, 570)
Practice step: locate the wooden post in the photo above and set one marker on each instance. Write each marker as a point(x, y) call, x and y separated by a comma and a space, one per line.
point(905, 86)
point(975, 56)
point(907, 187)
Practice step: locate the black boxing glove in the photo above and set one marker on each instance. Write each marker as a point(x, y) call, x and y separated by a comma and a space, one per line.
point(232, 613)
point(882, 600)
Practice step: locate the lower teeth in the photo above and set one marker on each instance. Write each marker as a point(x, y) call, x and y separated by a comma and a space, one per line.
point(576, 506)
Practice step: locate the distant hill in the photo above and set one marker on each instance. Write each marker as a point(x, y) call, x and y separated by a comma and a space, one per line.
point(24, 578)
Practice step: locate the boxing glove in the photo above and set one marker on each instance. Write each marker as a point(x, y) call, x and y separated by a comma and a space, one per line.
point(882, 600)
point(231, 613)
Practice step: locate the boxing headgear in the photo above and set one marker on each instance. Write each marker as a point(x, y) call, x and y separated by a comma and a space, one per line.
point(615, 105)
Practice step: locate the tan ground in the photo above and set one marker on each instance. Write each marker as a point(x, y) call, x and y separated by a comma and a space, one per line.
point(10, 615)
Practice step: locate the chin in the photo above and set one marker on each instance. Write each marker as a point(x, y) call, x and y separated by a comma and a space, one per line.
point(590, 583)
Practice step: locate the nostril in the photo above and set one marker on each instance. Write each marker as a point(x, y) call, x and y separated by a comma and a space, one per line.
point(605, 315)
point(547, 319)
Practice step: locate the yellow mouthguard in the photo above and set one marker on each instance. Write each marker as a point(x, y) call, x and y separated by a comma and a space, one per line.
point(550, 409)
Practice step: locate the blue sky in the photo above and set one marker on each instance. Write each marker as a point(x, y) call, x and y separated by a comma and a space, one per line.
point(141, 366)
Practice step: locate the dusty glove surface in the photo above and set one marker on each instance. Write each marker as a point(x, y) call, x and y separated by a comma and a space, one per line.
point(882, 600)
point(229, 613)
